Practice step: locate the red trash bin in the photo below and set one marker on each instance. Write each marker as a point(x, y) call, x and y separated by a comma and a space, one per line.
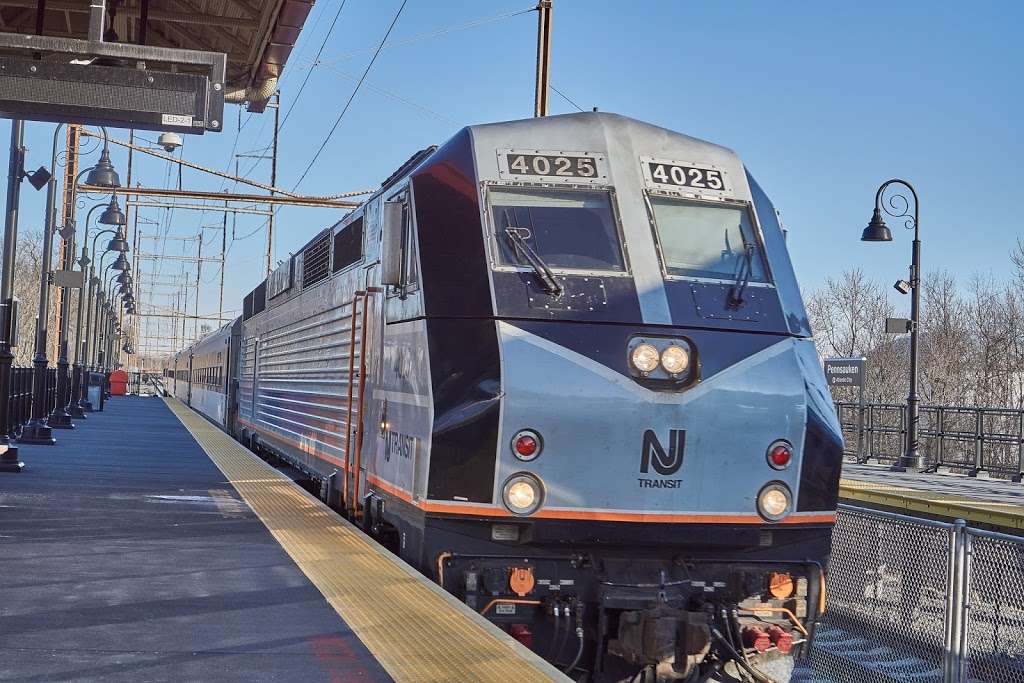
point(118, 383)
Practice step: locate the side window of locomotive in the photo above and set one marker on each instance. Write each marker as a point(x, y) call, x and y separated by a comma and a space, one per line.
point(348, 245)
point(410, 265)
point(706, 240)
point(568, 230)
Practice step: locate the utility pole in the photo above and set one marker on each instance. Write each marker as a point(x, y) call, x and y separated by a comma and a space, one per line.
point(199, 273)
point(223, 263)
point(68, 218)
point(540, 104)
point(273, 181)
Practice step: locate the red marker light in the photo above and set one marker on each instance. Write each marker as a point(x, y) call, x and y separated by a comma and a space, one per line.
point(780, 454)
point(526, 444)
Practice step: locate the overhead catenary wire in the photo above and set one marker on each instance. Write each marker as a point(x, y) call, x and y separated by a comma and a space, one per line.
point(432, 34)
point(316, 59)
point(351, 97)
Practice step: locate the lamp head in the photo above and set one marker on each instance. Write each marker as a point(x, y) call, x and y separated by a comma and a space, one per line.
point(103, 173)
point(119, 244)
point(877, 230)
point(121, 263)
point(123, 278)
point(902, 286)
point(112, 215)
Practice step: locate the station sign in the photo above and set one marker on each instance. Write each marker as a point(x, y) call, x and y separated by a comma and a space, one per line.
point(845, 372)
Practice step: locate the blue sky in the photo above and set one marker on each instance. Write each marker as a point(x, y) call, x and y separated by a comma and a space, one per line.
point(823, 101)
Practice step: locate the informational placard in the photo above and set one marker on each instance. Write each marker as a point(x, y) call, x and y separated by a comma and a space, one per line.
point(845, 372)
point(70, 279)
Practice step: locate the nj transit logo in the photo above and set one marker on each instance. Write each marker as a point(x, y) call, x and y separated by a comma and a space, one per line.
point(653, 453)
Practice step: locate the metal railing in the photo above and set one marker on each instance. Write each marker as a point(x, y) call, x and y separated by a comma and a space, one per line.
point(973, 440)
point(914, 599)
point(19, 401)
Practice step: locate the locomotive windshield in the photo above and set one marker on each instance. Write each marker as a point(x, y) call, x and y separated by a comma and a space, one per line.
point(701, 240)
point(566, 229)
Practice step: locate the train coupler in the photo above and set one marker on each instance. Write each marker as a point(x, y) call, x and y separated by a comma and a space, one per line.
point(674, 641)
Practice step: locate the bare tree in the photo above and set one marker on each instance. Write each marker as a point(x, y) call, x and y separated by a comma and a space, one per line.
point(848, 317)
point(972, 337)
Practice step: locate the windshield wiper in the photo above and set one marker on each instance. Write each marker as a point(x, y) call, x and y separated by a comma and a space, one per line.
point(743, 273)
point(544, 274)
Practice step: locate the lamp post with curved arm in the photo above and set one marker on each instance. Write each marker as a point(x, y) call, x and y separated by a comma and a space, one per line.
point(111, 215)
point(100, 175)
point(113, 305)
point(37, 430)
point(898, 206)
point(80, 385)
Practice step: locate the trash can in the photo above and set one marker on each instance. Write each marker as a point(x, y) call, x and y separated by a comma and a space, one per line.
point(118, 383)
point(96, 380)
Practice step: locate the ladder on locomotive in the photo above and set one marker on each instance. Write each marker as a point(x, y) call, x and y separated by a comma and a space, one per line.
point(358, 324)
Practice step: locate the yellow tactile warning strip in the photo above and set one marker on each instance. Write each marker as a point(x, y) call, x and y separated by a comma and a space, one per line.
point(1003, 515)
point(416, 630)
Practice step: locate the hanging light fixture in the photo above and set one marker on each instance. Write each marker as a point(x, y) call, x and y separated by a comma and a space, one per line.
point(103, 173)
point(112, 215)
point(118, 243)
point(121, 263)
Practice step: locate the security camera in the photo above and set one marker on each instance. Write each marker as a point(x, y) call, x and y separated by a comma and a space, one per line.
point(169, 141)
point(902, 286)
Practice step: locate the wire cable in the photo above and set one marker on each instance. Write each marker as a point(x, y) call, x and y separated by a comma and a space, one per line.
point(564, 97)
point(351, 97)
point(316, 59)
point(433, 34)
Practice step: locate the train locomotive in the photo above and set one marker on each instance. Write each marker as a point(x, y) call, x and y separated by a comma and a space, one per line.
point(563, 367)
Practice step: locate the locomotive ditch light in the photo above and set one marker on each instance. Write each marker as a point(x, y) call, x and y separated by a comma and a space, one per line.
point(774, 501)
point(522, 494)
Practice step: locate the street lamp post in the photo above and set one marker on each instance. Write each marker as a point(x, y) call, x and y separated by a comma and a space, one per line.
point(38, 430)
point(898, 206)
point(9, 461)
point(88, 346)
point(112, 215)
point(100, 175)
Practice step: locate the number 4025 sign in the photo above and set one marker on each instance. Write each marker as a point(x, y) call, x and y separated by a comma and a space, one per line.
point(681, 175)
point(553, 166)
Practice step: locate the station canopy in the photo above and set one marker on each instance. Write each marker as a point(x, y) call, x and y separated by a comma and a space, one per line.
point(256, 35)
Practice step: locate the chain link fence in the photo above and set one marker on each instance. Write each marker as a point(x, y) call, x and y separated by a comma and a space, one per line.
point(915, 600)
point(992, 643)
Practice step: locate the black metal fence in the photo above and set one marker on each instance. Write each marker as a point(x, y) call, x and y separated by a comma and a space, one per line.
point(960, 438)
point(20, 399)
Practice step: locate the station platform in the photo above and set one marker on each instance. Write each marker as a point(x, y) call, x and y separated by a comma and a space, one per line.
point(147, 545)
point(988, 503)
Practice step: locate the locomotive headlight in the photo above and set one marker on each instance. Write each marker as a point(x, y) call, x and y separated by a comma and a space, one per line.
point(523, 494)
point(675, 359)
point(645, 357)
point(774, 501)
